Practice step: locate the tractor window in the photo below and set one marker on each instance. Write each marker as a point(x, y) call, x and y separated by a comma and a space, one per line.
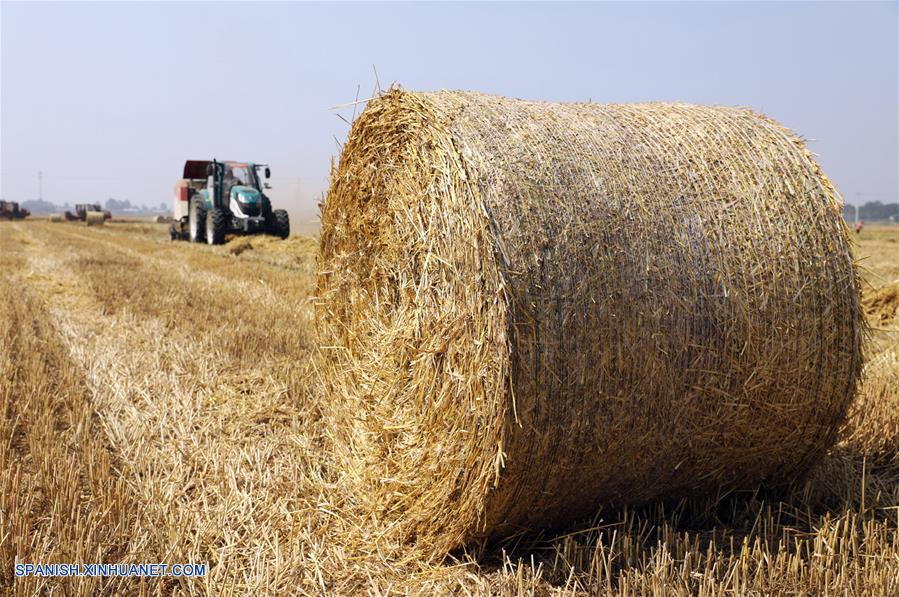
point(239, 175)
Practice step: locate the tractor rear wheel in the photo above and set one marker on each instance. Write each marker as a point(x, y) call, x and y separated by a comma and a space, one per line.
point(196, 220)
point(280, 224)
point(216, 226)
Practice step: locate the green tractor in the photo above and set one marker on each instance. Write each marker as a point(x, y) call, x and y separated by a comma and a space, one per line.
point(218, 198)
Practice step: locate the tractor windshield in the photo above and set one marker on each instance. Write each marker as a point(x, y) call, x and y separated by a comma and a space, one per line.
point(239, 174)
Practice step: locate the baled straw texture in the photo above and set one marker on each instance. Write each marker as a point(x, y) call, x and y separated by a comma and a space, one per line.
point(94, 218)
point(56, 218)
point(530, 310)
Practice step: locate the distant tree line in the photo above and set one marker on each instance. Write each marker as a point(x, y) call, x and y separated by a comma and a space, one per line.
point(40, 206)
point(872, 210)
point(116, 206)
point(125, 206)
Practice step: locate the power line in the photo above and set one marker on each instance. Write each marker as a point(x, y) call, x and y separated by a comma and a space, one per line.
point(64, 177)
point(167, 179)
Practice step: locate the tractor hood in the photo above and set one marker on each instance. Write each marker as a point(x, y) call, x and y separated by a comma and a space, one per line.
point(245, 194)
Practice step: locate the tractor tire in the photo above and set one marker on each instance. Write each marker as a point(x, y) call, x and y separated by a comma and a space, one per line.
point(266, 208)
point(197, 220)
point(280, 224)
point(216, 226)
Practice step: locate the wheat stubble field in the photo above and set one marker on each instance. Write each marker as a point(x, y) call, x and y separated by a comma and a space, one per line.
point(161, 402)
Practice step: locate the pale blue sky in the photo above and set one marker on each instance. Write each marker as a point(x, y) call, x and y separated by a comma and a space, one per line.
point(109, 99)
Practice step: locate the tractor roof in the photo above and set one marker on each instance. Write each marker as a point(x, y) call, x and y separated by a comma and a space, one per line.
point(196, 169)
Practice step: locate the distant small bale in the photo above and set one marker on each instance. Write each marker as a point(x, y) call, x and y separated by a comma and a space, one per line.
point(95, 218)
point(162, 219)
point(533, 310)
point(56, 218)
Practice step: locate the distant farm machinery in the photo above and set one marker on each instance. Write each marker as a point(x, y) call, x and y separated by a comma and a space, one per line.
point(10, 210)
point(82, 210)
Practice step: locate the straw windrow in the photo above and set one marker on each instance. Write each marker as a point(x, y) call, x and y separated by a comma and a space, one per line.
point(533, 309)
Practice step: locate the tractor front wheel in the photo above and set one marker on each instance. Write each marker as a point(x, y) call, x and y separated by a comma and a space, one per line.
point(216, 226)
point(280, 224)
point(196, 220)
point(266, 209)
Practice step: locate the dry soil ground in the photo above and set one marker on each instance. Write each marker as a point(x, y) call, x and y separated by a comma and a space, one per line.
point(159, 403)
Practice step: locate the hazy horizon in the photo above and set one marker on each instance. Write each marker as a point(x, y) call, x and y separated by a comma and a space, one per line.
point(109, 99)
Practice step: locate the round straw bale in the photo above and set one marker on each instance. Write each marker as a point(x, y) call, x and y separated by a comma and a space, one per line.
point(530, 310)
point(56, 218)
point(94, 218)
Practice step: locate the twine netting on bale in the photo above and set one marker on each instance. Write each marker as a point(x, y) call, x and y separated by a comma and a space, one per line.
point(529, 310)
point(94, 218)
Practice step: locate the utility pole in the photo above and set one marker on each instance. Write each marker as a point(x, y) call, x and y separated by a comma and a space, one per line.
point(40, 185)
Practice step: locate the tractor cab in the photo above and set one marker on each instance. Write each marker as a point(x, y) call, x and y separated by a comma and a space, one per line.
point(241, 187)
